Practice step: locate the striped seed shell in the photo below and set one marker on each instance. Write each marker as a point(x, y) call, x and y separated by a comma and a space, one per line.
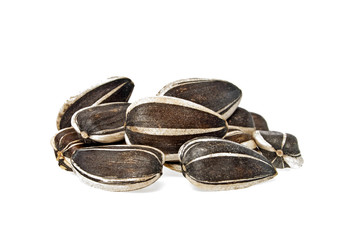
point(218, 164)
point(220, 96)
point(260, 122)
point(280, 148)
point(167, 122)
point(242, 138)
point(118, 167)
point(241, 120)
point(118, 89)
point(65, 143)
point(103, 123)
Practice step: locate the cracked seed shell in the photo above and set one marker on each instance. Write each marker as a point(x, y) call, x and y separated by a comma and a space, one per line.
point(219, 164)
point(118, 167)
point(103, 123)
point(280, 148)
point(220, 96)
point(118, 89)
point(167, 122)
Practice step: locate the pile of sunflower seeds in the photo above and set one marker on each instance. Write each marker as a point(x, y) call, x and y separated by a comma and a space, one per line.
point(193, 126)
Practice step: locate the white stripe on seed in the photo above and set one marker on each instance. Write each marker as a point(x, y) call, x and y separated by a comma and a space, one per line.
point(172, 101)
point(172, 131)
point(109, 94)
point(238, 155)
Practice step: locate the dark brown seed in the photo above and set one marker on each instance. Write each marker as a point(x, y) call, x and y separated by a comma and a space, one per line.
point(218, 164)
point(118, 167)
point(260, 122)
point(241, 120)
point(119, 89)
point(166, 123)
point(103, 123)
point(220, 96)
point(280, 148)
point(65, 143)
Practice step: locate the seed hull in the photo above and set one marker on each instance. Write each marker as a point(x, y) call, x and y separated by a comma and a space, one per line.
point(117, 90)
point(118, 167)
point(220, 96)
point(166, 123)
point(218, 164)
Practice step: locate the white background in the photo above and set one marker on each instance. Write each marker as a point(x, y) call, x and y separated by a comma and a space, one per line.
point(294, 61)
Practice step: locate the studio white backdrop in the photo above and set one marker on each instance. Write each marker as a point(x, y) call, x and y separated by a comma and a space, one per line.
point(293, 60)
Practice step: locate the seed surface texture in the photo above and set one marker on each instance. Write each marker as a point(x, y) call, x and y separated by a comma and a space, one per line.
point(218, 164)
point(220, 96)
point(260, 122)
point(167, 122)
point(118, 167)
point(102, 123)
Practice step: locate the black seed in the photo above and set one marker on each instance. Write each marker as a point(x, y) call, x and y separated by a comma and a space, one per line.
point(280, 148)
point(218, 164)
point(220, 96)
point(117, 90)
point(103, 123)
point(166, 123)
point(118, 167)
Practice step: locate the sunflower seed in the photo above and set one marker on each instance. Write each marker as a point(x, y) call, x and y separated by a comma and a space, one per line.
point(218, 164)
point(65, 143)
point(167, 122)
point(241, 120)
point(260, 122)
point(280, 148)
point(103, 123)
point(119, 89)
point(218, 95)
point(118, 168)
